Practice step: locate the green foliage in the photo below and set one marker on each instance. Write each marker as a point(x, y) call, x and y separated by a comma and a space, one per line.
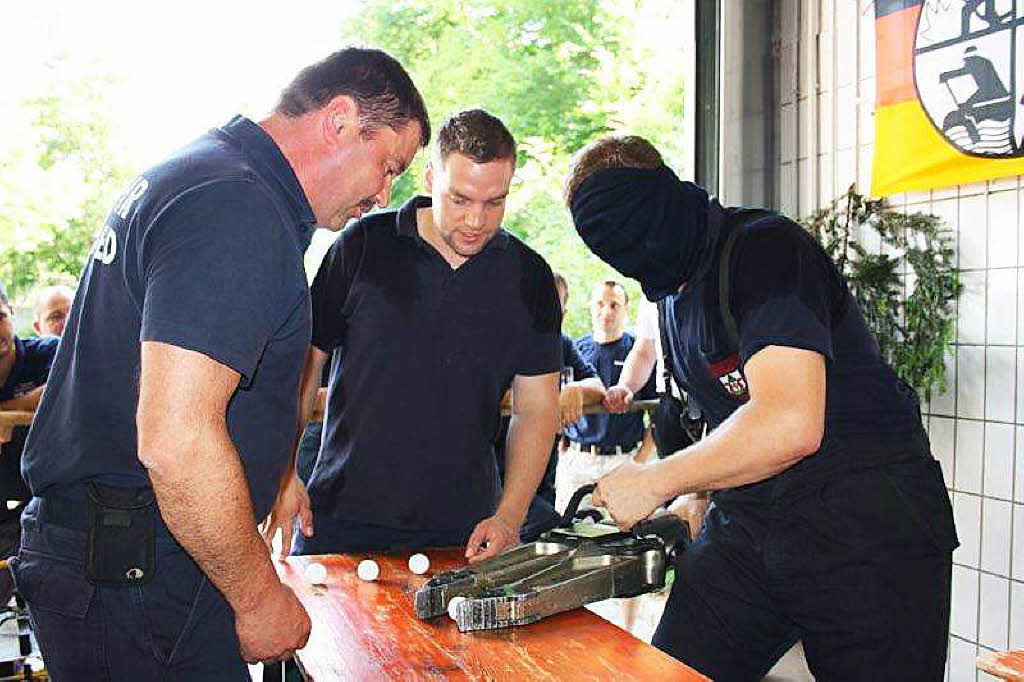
point(59, 178)
point(559, 75)
point(913, 329)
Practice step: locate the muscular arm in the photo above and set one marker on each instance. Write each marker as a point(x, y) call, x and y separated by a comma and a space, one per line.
point(204, 498)
point(783, 422)
point(196, 472)
point(535, 417)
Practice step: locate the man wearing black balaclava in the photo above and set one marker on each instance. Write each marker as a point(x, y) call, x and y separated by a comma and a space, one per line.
point(829, 521)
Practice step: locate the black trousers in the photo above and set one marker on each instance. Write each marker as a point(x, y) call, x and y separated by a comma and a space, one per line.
point(857, 567)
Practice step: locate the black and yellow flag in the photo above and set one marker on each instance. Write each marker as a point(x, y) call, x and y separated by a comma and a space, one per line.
point(949, 107)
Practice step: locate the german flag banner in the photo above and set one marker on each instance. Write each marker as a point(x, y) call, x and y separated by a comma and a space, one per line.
point(949, 108)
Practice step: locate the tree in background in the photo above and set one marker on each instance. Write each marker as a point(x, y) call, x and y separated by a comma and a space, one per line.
point(559, 75)
point(58, 178)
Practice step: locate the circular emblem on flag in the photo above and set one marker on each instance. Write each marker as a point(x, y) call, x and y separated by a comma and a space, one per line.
point(968, 74)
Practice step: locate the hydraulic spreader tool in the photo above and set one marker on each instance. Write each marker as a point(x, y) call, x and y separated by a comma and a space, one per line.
point(580, 561)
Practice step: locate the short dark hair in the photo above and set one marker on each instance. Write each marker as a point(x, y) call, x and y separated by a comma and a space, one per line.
point(380, 86)
point(615, 285)
point(612, 151)
point(476, 134)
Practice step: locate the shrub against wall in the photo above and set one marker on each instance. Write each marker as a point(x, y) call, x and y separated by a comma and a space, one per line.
point(906, 289)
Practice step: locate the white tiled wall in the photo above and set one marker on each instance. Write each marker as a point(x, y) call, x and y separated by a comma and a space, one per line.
point(825, 91)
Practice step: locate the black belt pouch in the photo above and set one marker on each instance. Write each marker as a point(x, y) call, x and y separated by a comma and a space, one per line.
point(121, 546)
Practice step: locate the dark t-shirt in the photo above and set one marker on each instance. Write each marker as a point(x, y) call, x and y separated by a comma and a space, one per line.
point(203, 252)
point(785, 291)
point(624, 430)
point(32, 360)
point(429, 351)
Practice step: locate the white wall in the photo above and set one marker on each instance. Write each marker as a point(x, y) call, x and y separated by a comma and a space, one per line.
point(825, 89)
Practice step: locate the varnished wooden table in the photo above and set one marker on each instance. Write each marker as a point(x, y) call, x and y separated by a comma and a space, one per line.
point(1006, 665)
point(368, 631)
point(8, 420)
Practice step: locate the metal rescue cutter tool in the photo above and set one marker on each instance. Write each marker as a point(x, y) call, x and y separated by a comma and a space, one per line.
point(576, 563)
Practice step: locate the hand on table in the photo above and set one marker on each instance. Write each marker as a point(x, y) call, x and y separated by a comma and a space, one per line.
point(617, 399)
point(626, 492)
point(292, 501)
point(274, 628)
point(497, 533)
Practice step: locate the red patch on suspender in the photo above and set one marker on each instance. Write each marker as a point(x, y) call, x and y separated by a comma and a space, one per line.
point(727, 371)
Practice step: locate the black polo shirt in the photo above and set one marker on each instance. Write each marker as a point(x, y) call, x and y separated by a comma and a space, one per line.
point(429, 351)
point(610, 430)
point(785, 291)
point(203, 252)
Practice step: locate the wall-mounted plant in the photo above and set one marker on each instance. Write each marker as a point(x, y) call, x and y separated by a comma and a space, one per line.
point(913, 331)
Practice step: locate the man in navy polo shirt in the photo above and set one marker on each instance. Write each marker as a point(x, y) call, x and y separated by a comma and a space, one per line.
point(24, 368)
point(600, 442)
point(24, 363)
point(173, 399)
point(437, 311)
point(829, 521)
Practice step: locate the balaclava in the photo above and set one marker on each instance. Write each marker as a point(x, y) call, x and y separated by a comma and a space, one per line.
point(648, 225)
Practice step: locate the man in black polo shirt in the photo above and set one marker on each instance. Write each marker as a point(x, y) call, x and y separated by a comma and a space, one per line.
point(176, 384)
point(437, 311)
point(600, 442)
point(830, 521)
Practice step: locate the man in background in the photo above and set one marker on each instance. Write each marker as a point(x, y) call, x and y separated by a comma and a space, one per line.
point(24, 370)
point(51, 310)
point(599, 443)
point(580, 386)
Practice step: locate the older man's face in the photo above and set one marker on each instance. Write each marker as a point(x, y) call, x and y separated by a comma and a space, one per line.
point(52, 314)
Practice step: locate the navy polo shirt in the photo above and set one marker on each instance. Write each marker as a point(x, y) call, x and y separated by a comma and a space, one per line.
point(571, 359)
point(610, 430)
point(429, 350)
point(203, 252)
point(32, 359)
point(786, 291)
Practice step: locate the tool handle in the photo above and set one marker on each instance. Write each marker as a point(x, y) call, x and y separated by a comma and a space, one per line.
point(670, 528)
point(574, 504)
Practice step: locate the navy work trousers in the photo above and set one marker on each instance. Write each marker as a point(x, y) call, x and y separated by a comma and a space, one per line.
point(177, 626)
point(857, 567)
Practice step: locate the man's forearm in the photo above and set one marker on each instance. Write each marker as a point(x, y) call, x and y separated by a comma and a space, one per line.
point(753, 444)
point(24, 403)
point(204, 500)
point(592, 390)
point(639, 364)
point(527, 449)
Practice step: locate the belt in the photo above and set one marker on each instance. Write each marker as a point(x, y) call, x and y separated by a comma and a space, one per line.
point(604, 449)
